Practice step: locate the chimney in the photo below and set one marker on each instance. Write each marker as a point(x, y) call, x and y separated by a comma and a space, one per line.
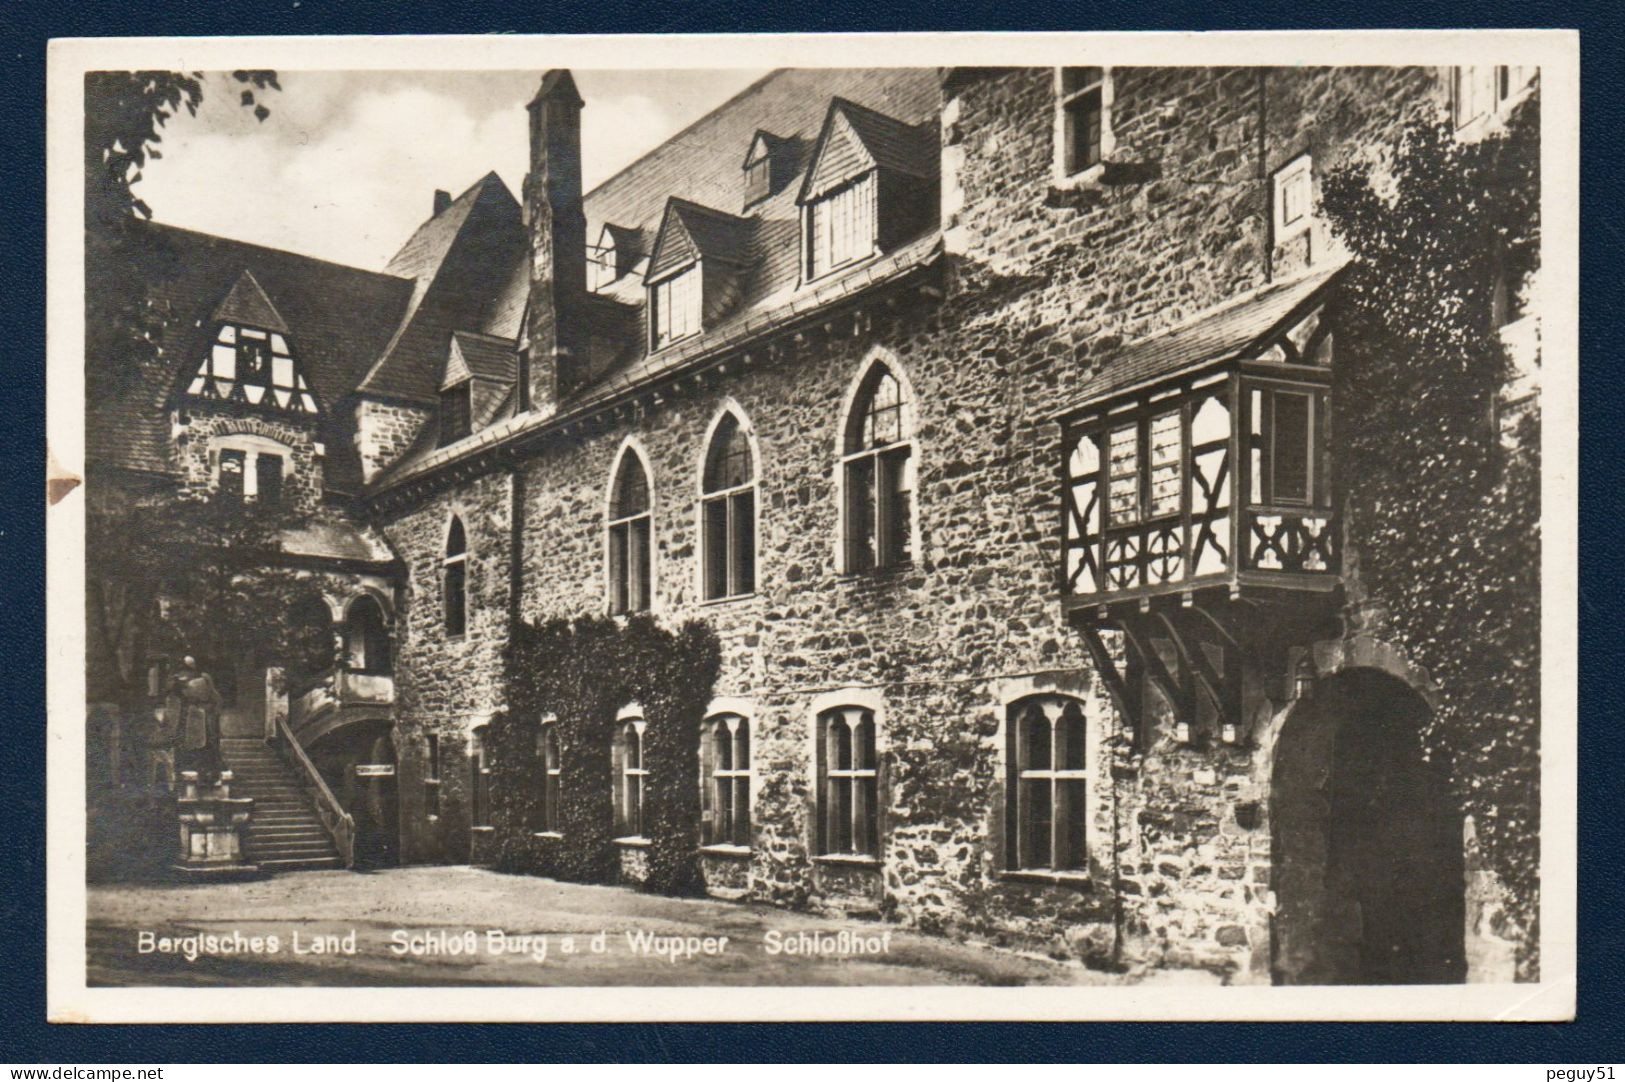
point(442, 200)
point(558, 241)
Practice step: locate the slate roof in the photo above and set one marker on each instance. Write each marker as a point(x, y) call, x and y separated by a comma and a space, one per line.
point(461, 261)
point(691, 231)
point(488, 358)
point(1234, 330)
point(339, 318)
point(336, 538)
point(888, 143)
point(778, 311)
point(248, 304)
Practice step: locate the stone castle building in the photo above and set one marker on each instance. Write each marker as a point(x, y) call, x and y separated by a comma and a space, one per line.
point(981, 413)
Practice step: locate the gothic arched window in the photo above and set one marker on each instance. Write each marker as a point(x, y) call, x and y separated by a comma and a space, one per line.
point(455, 573)
point(877, 475)
point(1048, 762)
point(728, 507)
point(629, 529)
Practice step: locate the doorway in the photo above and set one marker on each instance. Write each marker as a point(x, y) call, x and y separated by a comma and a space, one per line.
point(1366, 841)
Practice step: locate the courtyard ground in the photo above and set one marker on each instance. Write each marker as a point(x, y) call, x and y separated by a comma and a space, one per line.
point(620, 937)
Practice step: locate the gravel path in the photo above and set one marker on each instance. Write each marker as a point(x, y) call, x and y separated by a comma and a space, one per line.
point(432, 926)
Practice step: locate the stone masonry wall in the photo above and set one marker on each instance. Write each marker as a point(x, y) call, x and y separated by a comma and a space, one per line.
point(1044, 283)
point(383, 432)
point(302, 476)
point(447, 685)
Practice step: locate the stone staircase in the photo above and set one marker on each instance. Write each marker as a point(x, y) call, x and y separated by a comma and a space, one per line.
point(285, 833)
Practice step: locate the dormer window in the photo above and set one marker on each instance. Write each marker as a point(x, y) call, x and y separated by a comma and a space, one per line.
point(871, 185)
point(841, 227)
point(613, 257)
point(455, 412)
point(767, 164)
point(758, 180)
point(696, 270)
point(675, 304)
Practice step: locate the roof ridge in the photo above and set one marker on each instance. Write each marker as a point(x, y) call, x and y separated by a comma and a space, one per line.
point(483, 334)
point(696, 122)
point(153, 224)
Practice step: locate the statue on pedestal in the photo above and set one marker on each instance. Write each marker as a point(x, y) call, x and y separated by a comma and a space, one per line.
point(194, 704)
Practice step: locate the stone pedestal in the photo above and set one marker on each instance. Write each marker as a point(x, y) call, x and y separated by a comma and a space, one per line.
point(212, 822)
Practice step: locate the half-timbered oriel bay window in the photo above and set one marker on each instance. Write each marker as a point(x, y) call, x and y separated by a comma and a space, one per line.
point(848, 783)
point(628, 541)
point(1198, 475)
point(728, 508)
point(725, 786)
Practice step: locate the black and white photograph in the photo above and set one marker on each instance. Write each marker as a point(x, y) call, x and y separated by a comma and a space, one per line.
point(1055, 526)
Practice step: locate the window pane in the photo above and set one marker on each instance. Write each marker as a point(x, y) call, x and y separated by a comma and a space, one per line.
point(268, 479)
point(1035, 823)
point(1070, 750)
point(894, 499)
point(456, 602)
point(1124, 457)
point(1165, 464)
point(863, 743)
point(631, 487)
point(741, 811)
point(716, 548)
point(1075, 79)
point(742, 521)
point(640, 592)
point(1071, 816)
point(1037, 739)
point(618, 536)
point(232, 464)
point(866, 822)
point(1290, 444)
point(860, 515)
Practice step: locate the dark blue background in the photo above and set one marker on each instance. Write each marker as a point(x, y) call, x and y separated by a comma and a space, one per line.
point(25, 1038)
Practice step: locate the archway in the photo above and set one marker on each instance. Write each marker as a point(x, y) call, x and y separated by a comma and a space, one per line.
point(1366, 841)
point(357, 760)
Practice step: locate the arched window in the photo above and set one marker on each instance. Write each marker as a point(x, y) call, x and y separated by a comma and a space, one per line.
point(878, 475)
point(725, 772)
point(479, 767)
point(728, 507)
point(848, 783)
point(456, 579)
point(552, 768)
point(631, 774)
point(629, 526)
point(366, 636)
point(1048, 765)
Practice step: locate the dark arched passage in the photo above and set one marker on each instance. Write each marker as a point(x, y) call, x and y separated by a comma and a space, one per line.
point(1366, 840)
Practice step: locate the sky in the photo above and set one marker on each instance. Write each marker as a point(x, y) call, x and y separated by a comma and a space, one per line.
point(346, 165)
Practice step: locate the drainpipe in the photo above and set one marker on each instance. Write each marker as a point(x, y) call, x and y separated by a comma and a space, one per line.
point(1263, 173)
